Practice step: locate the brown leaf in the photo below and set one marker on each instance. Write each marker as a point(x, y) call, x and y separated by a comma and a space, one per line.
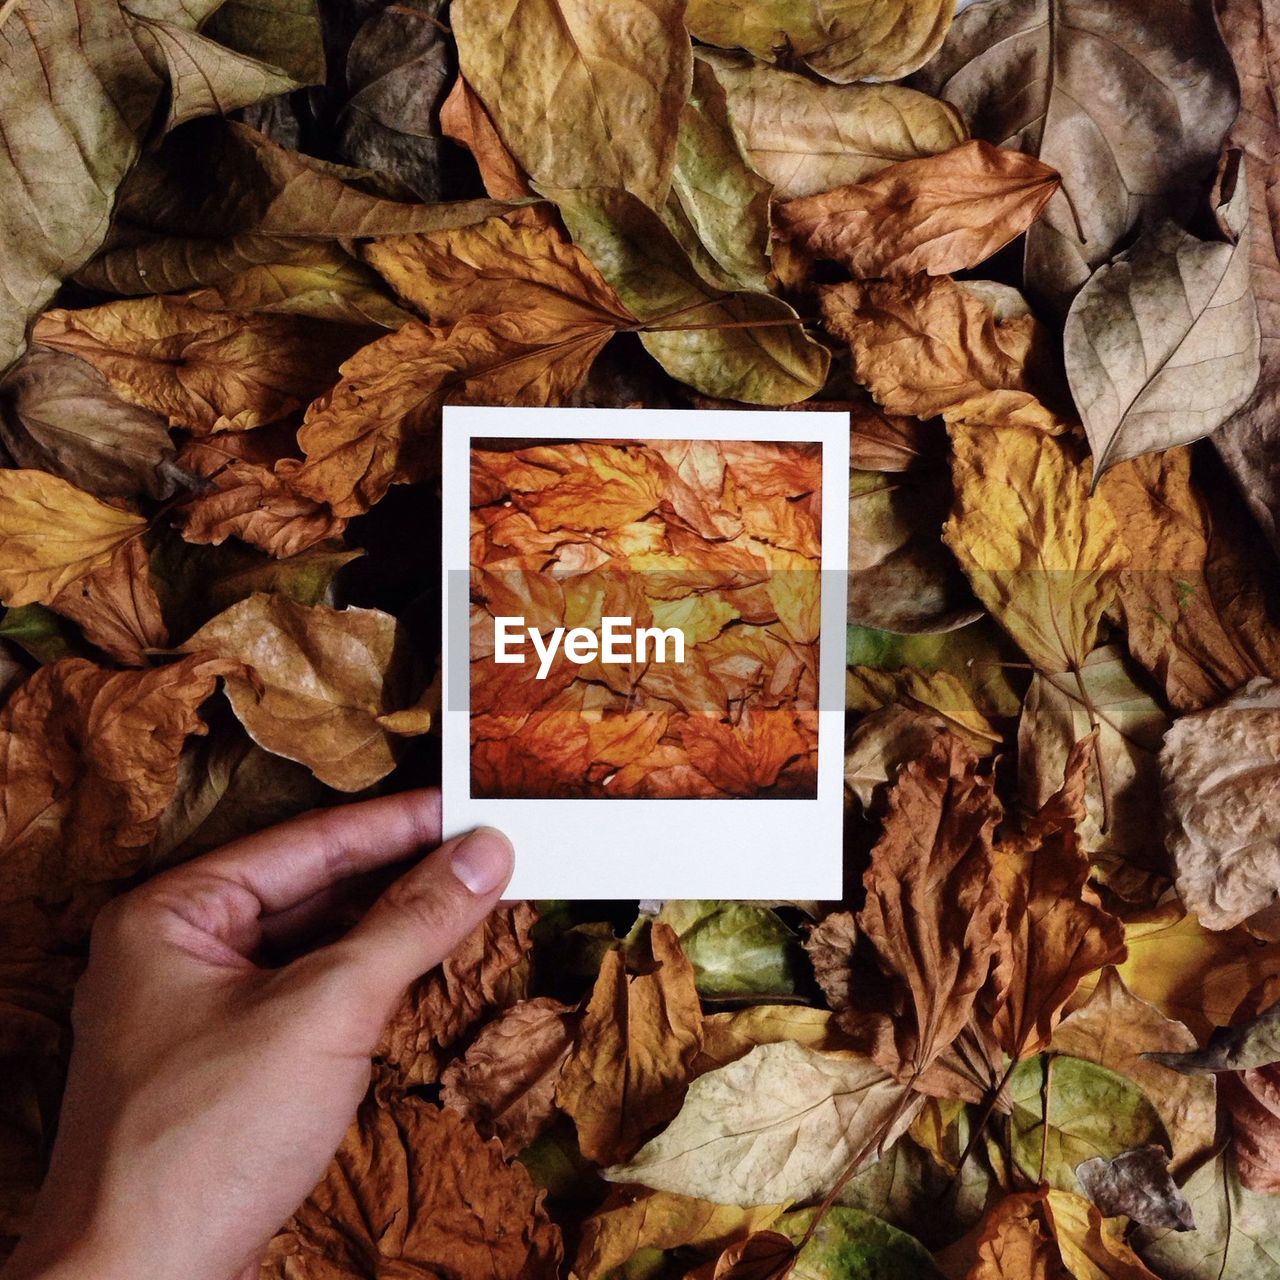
point(488, 971)
point(317, 680)
point(932, 915)
point(252, 498)
point(91, 760)
point(464, 119)
point(52, 533)
point(1252, 1101)
point(1137, 1184)
point(1056, 931)
point(926, 346)
point(1117, 1030)
point(58, 414)
point(631, 1220)
point(116, 606)
point(414, 1190)
point(1194, 593)
point(377, 427)
point(937, 215)
point(203, 370)
point(830, 946)
point(505, 1084)
point(626, 1075)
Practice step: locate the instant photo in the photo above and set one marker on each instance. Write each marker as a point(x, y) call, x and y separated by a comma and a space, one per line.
point(643, 647)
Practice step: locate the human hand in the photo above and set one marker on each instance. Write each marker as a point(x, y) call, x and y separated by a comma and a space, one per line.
point(207, 1094)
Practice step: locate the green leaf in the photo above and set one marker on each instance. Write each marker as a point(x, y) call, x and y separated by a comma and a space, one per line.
point(1092, 1112)
point(39, 631)
point(283, 32)
point(735, 948)
point(735, 346)
point(851, 1245)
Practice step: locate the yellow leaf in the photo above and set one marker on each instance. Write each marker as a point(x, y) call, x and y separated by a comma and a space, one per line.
point(52, 533)
point(932, 692)
point(927, 346)
point(1038, 550)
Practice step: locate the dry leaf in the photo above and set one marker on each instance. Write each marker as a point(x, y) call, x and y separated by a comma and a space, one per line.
point(881, 743)
point(629, 1221)
point(1127, 102)
point(58, 414)
point(830, 945)
point(844, 41)
point(91, 760)
point(937, 215)
point(806, 137)
point(1220, 771)
point(937, 695)
point(488, 971)
point(464, 119)
point(52, 533)
point(778, 1125)
point(1137, 1185)
point(415, 1190)
point(505, 1083)
point(1056, 931)
point(204, 370)
point(1039, 551)
point(116, 606)
point(932, 915)
point(928, 346)
point(1161, 345)
point(317, 680)
point(583, 96)
point(626, 1073)
point(1117, 1030)
point(726, 1037)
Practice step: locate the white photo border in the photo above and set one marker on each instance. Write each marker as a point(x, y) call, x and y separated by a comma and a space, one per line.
point(586, 848)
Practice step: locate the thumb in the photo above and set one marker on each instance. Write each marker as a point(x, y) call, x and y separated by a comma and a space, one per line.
point(424, 915)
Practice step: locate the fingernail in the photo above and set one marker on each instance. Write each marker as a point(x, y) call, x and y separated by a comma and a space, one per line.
point(483, 860)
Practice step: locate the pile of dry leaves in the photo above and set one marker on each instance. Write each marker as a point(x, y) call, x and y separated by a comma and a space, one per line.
point(250, 249)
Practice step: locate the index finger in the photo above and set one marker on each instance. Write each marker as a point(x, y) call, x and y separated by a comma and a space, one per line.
point(288, 863)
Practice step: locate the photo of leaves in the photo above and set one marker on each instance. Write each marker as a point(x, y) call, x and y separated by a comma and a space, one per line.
point(1030, 247)
point(716, 544)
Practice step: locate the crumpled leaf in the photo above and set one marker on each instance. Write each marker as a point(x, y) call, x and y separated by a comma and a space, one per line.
point(488, 971)
point(317, 683)
point(881, 743)
point(1091, 1112)
point(743, 346)
point(1028, 73)
point(1220, 769)
point(116, 606)
point(377, 426)
point(1117, 1030)
point(1194, 594)
point(1235, 1233)
point(1161, 344)
point(843, 41)
point(1137, 1184)
point(939, 214)
point(830, 945)
point(625, 1075)
point(584, 96)
point(206, 78)
point(505, 1083)
point(926, 346)
point(1056, 931)
point(91, 760)
point(780, 1124)
point(218, 198)
point(735, 948)
point(58, 414)
point(806, 137)
point(932, 915)
point(204, 370)
point(52, 533)
point(414, 1188)
point(1039, 551)
point(631, 1220)
point(1252, 34)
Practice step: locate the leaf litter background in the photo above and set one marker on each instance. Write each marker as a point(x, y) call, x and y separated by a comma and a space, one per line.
point(249, 252)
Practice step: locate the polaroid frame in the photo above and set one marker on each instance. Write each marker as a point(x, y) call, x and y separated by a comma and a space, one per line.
point(666, 848)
